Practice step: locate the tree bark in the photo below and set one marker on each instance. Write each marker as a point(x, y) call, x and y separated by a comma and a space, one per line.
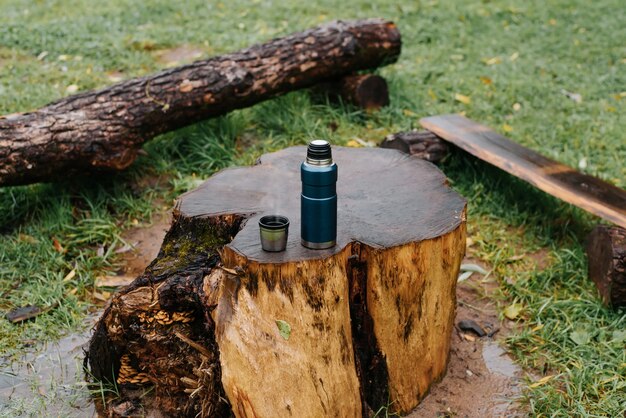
point(219, 326)
point(104, 129)
point(606, 252)
point(422, 144)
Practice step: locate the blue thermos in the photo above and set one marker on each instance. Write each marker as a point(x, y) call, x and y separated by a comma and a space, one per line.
point(319, 197)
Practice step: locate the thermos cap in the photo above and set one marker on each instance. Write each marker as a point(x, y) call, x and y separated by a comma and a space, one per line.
point(319, 153)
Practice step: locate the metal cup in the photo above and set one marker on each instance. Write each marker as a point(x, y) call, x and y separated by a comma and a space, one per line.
point(274, 230)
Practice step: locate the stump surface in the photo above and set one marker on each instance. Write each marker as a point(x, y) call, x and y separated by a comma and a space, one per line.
point(385, 199)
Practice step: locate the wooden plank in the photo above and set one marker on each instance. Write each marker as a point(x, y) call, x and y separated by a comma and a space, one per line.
point(587, 192)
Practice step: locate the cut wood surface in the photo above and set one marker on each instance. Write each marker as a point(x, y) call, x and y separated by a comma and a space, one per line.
point(338, 332)
point(366, 91)
point(606, 252)
point(104, 129)
point(587, 192)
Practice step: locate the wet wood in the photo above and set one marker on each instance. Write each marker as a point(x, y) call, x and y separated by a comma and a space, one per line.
point(338, 332)
point(365, 91)
point(421, 144)
point(105, 129)
point(587, 192)
point(25, 313)
point(606, 252)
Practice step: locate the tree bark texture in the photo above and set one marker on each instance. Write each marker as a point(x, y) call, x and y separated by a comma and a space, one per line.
point(422, 144)
point(104, 129)
point(606, 252)
point(218, 327)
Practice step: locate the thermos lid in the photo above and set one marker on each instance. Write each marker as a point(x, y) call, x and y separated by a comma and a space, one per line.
point(319, 152)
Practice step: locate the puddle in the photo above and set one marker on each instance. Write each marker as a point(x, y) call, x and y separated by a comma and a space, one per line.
point(49, 381)
point(498, 361)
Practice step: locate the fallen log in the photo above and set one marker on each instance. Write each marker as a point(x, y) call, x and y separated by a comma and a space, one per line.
point(216, 326)
point(104, 129)
point(606, 252)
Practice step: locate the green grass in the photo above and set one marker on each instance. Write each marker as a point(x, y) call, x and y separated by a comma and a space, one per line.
point(512, 59)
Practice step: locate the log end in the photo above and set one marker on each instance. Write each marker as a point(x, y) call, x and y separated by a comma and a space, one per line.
point(606, 251)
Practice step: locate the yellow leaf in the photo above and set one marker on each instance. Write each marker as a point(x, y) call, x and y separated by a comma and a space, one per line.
point(492, 61)
point(407, 112)
point(69, 276)
point(541, 381)
point(552, 22)
point(512, 311)
point(514, 56)
point(352, 143)
point(432, 94)
point(486, 80)
point(463, 98)
point(507, 128)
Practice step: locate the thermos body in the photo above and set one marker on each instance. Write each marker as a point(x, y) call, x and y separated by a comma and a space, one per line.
point(318, 202)
point(319, 205)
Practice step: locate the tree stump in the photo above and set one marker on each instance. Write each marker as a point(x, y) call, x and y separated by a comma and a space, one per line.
point(216, 325)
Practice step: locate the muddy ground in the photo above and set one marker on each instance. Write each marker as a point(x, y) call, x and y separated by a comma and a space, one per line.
point(481, 381)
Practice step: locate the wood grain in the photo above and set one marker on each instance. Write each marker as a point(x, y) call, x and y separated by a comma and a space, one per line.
point(587, 192)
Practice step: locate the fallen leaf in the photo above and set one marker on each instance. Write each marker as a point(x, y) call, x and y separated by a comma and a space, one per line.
point(573, 96)
point(352, 143)
point(63, 57)
point(27, 238)
point(57, 245)
point(486, 80)
point(462, 98)
point(517, 257)
point(72, 88)
point(432, 94)
point(619, 336)
point(114, 281)
point(552, 22)
point(464, 276)
point(507, 128)
point(104, 296)
point(69, 276)
point(474, 268)
point(514, 56)
point(541, 381)
point(580, 336)
point(468, 337)
point(492, 61)
point(407, 112)
point(42, 55)
point(284, 328)
point(513, 310)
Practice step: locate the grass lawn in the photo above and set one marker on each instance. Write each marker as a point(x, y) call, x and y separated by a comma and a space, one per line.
point(504, 63)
